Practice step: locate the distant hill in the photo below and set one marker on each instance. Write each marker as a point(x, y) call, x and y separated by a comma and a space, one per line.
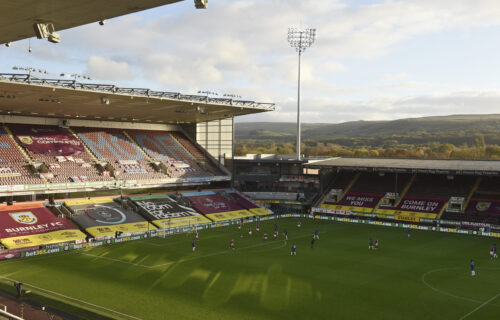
point(453, 129)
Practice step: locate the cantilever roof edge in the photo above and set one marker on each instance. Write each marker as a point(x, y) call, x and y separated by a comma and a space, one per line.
point(141, 92)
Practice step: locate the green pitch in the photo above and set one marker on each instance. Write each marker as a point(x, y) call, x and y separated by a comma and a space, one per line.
point(426, 276)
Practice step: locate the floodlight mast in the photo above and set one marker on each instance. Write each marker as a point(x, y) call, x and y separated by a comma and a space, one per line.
point(300, 39)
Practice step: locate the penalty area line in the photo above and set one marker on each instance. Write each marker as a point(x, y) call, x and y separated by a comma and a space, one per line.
point(238, 250)
point(116, 260)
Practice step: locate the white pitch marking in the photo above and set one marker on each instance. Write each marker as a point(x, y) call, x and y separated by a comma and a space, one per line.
point(450, 294)
point(116, 260)
point(482, 305)
point(75, 299)
point(176, 242)
point(444, 292)
point(177, 261)
point(219, 253)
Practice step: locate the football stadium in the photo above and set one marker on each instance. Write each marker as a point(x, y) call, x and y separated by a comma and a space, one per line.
point(129, 203)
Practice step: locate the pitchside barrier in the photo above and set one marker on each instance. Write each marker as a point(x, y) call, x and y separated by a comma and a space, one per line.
point(10, 254)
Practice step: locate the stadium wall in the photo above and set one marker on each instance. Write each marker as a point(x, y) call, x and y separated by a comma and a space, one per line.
point(214, 136)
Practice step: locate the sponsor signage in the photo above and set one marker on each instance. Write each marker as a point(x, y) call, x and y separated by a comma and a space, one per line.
point(167, 213)
point(34, 225)
point(163, 208)
point(17, 187)
point(212, 203)
point(133, 168)
point(403, 217)
point(50, 141)
point(105, 217)
point(193, 179)
point(9, 172)
point(21, 220)
point(352, 199)
point(483, 206)
point(413, 204)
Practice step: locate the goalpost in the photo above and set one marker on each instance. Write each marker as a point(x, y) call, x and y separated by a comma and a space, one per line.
point(189, 223)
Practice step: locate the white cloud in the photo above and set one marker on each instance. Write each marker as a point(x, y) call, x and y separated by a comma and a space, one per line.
point(105, 68)
point(240, 47)
point(333, 66)
point(394, 77)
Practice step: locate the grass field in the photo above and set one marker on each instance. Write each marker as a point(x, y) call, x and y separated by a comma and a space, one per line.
point(426, 276)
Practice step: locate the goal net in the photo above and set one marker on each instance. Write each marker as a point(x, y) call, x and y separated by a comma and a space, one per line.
point(187, 225)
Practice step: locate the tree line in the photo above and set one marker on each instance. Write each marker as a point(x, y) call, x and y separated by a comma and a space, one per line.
point(474, 147)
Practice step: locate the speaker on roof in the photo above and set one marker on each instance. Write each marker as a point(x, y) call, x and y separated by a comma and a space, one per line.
point(63, 123)
point(200, 4)
point(46, 30)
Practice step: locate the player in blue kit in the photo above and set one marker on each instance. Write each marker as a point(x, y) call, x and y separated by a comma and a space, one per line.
point(472, 267)
point(294, 250)
point(409, 232)
point(495, 251)
point(194, 245)
point(316, 234)
point(370, 245)
point(312, 242)
point(285, 233)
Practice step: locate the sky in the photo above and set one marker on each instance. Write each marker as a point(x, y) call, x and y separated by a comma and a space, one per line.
point(372, 60)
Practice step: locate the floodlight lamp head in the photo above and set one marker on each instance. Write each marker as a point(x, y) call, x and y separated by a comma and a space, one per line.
point(301, 39)
point(200, 4)
point(104, 100)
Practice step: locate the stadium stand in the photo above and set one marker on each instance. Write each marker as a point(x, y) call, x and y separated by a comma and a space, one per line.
point(103, 217)
point(244, 202)
point(342, 179)
point(63, 156)
point(440, 186)
point(369, 182)
point(483, 207)
point(12, 306)
point(488, 188)
point(194, 150)
point(33, 225)
point(365, 193)
point(125, 159)
point(165, 212)
point(180, 157)
point(480, 210)
point(215, 206)
point(14, 168)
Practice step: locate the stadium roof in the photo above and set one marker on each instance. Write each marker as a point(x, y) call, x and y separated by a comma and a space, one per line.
point(412, 165)
point(25, 95)
point(19, 16)
point(275, 158)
